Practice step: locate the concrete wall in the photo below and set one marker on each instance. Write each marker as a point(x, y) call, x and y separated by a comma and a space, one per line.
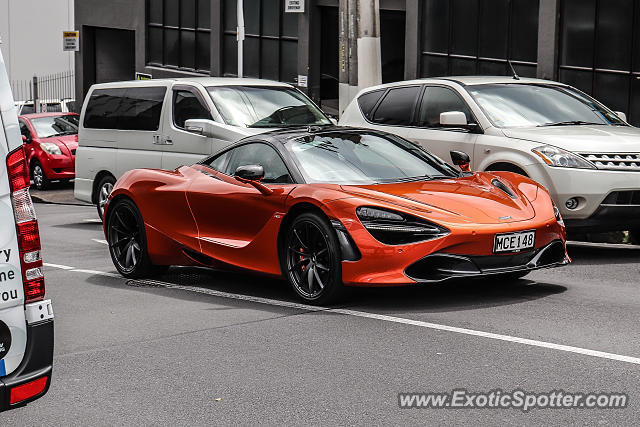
point(31, 32)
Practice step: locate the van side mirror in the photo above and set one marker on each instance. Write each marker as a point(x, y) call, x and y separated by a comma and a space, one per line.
point(461, 159)
point(621, 115)
point(202, 127)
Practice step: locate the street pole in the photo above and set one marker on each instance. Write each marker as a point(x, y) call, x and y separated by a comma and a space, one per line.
point(359, 48)
point(240, 36)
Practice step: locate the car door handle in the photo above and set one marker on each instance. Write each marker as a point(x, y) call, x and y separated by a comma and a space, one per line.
point(168, 141)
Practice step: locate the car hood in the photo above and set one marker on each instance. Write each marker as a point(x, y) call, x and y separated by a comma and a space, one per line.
point(583, 138)
point(69, 141)
point(471, 199)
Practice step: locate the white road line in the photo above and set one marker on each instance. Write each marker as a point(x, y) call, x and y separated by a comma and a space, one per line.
point(104, 242)
point(64, 267)
point(93, 220)
point(382, 317)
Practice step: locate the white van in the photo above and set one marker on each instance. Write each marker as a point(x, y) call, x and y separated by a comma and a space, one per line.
point(167, 123)
point(26, 319)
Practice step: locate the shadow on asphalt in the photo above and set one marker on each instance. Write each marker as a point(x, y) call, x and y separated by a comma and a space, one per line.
point(604, 254)
point(452, 296)
point(84, 225)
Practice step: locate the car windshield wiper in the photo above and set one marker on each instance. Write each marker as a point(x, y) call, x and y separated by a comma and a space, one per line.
point(569, 123)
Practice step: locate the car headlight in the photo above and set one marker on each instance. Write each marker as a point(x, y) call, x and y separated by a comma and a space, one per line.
point(50, 148)
point(395, 228)
point(554, 156)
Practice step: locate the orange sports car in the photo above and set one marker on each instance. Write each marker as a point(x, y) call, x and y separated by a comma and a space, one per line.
point(328, 207)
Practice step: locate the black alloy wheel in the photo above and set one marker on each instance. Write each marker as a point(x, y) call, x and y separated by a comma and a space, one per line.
point(127, 240)
point(312, 259)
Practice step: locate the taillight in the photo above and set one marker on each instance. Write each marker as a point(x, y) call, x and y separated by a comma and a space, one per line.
point(26, 226)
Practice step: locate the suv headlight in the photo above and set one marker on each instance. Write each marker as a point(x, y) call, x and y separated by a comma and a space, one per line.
point(554, 156)
point(50, 148)
point(396, 228)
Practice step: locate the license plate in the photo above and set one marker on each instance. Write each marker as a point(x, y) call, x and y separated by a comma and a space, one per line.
point(514, 242)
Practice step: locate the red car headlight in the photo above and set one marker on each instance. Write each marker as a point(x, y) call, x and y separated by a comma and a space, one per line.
point(396, 228)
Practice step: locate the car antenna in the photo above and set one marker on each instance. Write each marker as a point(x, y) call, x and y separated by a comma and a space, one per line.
point(513, 70)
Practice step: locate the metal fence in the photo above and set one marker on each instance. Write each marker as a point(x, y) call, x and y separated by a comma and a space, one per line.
point(55, 86)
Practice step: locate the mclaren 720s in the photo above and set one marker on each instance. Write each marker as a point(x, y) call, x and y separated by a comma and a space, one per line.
point(332, 207)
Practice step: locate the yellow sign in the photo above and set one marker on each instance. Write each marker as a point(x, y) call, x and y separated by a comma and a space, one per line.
point(71, 41)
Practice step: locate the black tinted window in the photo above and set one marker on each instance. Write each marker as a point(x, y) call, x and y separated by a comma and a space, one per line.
point(368, 101)
point(275, 170)
point(438, 100)
point(187, 106)
point(128, 109)
point(397, 106)
point(140, 109)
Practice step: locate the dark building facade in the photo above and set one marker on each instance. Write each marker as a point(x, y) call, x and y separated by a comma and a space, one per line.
point(591, 44)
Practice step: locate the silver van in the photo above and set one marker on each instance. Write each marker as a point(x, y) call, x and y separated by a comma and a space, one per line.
point(167, 123)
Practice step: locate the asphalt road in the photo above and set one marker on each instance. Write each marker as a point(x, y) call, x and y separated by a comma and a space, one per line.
point(201, 347)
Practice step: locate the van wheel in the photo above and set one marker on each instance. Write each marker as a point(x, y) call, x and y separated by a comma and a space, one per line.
point(105, 186)
point(40, 180)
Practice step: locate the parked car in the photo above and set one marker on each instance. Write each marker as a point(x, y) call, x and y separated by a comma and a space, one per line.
point(63, 105)
point(298, 203)
point(167, 123)
point(586, 155)
point(50, 141)
point(26, 318)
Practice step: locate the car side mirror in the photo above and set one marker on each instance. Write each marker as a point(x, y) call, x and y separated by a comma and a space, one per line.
point(453, 119)
point(461, 159)
point(252, 174)
point(24, 139)
point(621, 115)
point(205, 127)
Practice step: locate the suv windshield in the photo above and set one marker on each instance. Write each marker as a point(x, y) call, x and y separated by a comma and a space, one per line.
point(265, 107)
point(46, 127)
point(364, 158)
point(527, 105)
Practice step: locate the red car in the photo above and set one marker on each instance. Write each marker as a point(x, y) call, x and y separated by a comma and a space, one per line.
point(50, 141)
point(327, 207)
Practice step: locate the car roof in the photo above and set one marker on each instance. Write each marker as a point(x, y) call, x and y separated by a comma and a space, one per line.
point(54, 113)
point(204, 81)
point(287, 134)
point(468, 81)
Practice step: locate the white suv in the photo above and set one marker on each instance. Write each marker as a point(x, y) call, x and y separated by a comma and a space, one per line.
point(585, 154)
point(26, 319)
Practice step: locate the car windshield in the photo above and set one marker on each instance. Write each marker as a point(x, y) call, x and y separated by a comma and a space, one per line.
point(364, 158)
point(265, 107)
point(528, 105)
point(49, 126)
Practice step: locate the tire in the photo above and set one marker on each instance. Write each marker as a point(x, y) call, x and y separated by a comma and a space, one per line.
point(105, 186)
point(39, 178)
point(128, 241)
point(310, 259)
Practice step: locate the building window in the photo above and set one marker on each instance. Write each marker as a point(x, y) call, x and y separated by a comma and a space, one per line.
point(465, 37)
point(271, 41)
point(179, 34)
point(599, 51)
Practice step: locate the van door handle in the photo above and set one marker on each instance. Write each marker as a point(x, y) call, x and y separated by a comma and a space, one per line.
point(168, 141)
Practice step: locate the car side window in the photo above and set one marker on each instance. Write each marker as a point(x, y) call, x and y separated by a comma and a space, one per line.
point(397, 106)
point(436, 100)
point(369, 100)
point(186, 105)
point(24, 130)
point(275, 171)
point(219, 163)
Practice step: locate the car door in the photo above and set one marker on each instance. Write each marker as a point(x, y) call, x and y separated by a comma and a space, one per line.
point(431, 135)
point(179, 146)
point(236, 222)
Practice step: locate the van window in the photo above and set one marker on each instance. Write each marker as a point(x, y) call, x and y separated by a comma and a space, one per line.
point(397, 106)
point(186, 105)
point(135, 108)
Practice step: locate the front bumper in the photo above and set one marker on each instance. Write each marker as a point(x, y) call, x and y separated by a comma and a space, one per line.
point(59, 167)
point(440, 267)
point(592, 187)
point(37, 363)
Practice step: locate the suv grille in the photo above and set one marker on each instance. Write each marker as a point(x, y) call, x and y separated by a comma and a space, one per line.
point(622, 198)
point(614, 161)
